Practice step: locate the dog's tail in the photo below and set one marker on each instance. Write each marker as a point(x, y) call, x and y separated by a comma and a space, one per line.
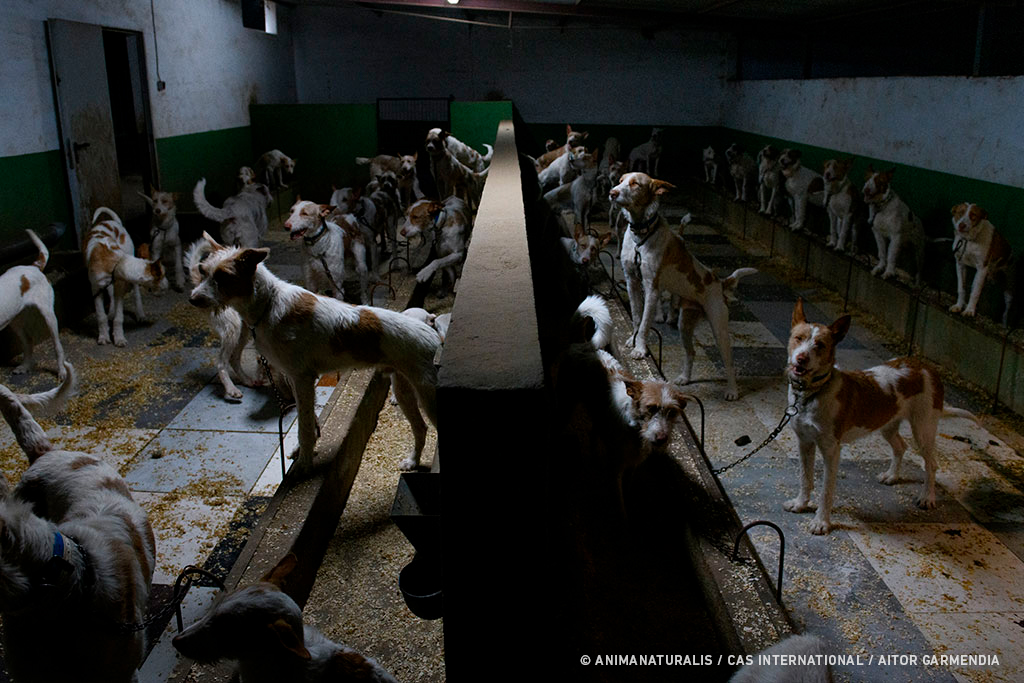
point(490, 154)
point(363, 161)
point(950, 411)
point(30, 435)
point(44, 253)
point(729, 283)
point(104, 210)
point(593, 311)
point(205, 207)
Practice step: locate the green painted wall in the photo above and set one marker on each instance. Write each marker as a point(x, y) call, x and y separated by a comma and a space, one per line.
point(475, 123)
point(324, 139)
point(215, 155)
point(32, 194)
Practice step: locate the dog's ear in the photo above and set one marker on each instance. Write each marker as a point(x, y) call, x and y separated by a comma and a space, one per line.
point(279, 574)
point(326, 210)
point(891, 172)
point(958, 209)
point(568, 130)
point(212, 242)
point(605, 239)
point(661, 186)
point(578, 231)
point(634, 388)
point(870, 172)
point(144, 251)
point(416, 155)
point(247, 259)
point(175, 196)
point(289, 639)
point(679, 398)
point(798, 313)
point(982, 213)
point(839, 328)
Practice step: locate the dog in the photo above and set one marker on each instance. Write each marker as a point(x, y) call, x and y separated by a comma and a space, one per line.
point(246, 176)
point(647, 157)
point(451, 225)
point(612, 151)
point(383, 192)
point(324, 246)
point(578, 194)
point(76, 560)
point(654, 259)
point(304, 335)
point(452, 177)
point(243, 218)
point(26, 287)
point(352, 201)
point(742, 170)
point(977, 244)
point(404, 168)
point(573, 139)
point(802, 184)
point(113, 268)
point(893, 224)
point(273, 167)
point(834, 407)
point(564, 169)
point(710, 165)
point(261, 628)
point(163, 232)
point(845, 208)
point(466, 155)
point(583, 247)
point(769, 180)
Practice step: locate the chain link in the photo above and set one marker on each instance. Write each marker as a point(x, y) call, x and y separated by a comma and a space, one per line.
point(180, 590)
point(791, 411)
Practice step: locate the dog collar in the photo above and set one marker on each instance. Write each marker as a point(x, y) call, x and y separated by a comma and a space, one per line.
point(59, 567)
point(646, 228)
point(360, 213)
point(811, 386)
point(319, 233)
point(886, 198)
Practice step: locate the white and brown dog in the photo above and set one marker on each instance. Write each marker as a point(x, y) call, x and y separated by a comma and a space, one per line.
point(803, 185)
point(843, 204)
point(769, 179)
point(653, 259)
point(583, 247)
point(113, 268)
point(452, 176)
point(710, 165)
point(893, 224)
point(647, 157)
point(450, 225)
point(404, 168)
point(274, 167)
point(466, 155)
point(243, 218)
point(305, 335)
point(351, 201)
point(27, 287)
point(978, 245)
point(261, 628)
point(834, 407)
point(163, 231)
point(573, 139)
point(742, 169)
point(326, 240)
point(76, 560)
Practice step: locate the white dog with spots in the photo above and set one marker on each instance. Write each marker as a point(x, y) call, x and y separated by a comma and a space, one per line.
point(833, 407)
point(326, 239)
point(449, 224)
point(305, 335)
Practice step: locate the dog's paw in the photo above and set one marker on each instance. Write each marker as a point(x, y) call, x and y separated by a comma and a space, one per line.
point(102, 341)
point(409, 463)
point(392, 400)
point(877, 269)
point(682, 379)
point(820, 527)
point(732, 393)
point(888, 478)
point(956, 308)
point(888, 274)
point(969, 313)
point(21, 369)
point(799, 505)
point(233, 393)
point(120, 342)
point(638, 352)
point(925, 502)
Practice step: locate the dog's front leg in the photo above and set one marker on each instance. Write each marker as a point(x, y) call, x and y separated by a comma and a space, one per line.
point(979, 282)
point(802, 503)
point(822, 522)
point(961, 287)
point(890, 259)
point(179, 270)
point(880, 243)
point(305, 395)
point(140, 314)
point(688, 319)
point(650, 303)
point(408, 402)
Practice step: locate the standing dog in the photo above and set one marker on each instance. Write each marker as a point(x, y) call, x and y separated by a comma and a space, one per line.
point(163, 232)
point(647, 157)
point(893, 224)
point(573, 139)
point(363, 211)
point(243, 218)
point(273, 167)
point(404, 168)
point(113, 268)
point(710, 165)
point(261, 628)
point(451, 224)
point(76, 561)
point(802, 184)
point(304, 335)
point(978, 245)
point(466, 155)
point(834, 407)
point(843, 204)
point(26, 287)
point(324, 246)
point(564, 169)
point(769, 179)
point(246, 176)
point(742, 168)
point(452, 176)
point(654, 259)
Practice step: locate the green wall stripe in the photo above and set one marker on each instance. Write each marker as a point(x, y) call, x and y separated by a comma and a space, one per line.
point(33, 194)
point(475, 123)
point(215, 155)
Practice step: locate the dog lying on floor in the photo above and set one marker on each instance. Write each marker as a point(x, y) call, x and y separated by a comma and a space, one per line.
point(261, 628)
point(163, 231)
point(113, 268)
point(76, 560)
point(836, 407)
point(26, 287)
point(305, 335)
point(655, 259)
point(243, 218)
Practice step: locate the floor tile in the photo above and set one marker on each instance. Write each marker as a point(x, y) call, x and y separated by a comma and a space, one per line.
point(163, 658)
point(999, 634)
point(256, 411)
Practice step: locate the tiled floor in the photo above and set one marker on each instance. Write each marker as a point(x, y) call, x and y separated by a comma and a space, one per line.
point(890, 579)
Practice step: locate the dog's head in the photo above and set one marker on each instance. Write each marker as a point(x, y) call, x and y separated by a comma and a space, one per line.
point(877, 184)
point(836, 169)
point(435, 141)
point(346, 198)
point(550, 145)
point(420, 217)
point(733, 152)
point(154, 275)
point(657, 406)
point(967, 218)
point(162, 203)
point(789, 160)
point(656, 135)
point(587, 246)
point(769, 152)
point(258, 622)
point(226, 274)
point(709, 153)
point(574, 138)
point(258, 190)
point(388, 181)
point(577, 157)
point(288, 164)
point(812, 346)
point(636, 191)
point(25, 543)
point(305, 217)
point(407, 169)
point(246, 176)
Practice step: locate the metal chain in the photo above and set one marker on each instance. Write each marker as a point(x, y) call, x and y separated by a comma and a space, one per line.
point(176, 597)
point(791, 411)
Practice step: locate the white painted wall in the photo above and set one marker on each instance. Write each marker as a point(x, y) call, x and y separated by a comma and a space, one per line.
point(586, 75)
point(966, 126)
point(213, 66)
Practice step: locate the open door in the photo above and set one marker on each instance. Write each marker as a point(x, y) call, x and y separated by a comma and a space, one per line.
point(86, 125)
